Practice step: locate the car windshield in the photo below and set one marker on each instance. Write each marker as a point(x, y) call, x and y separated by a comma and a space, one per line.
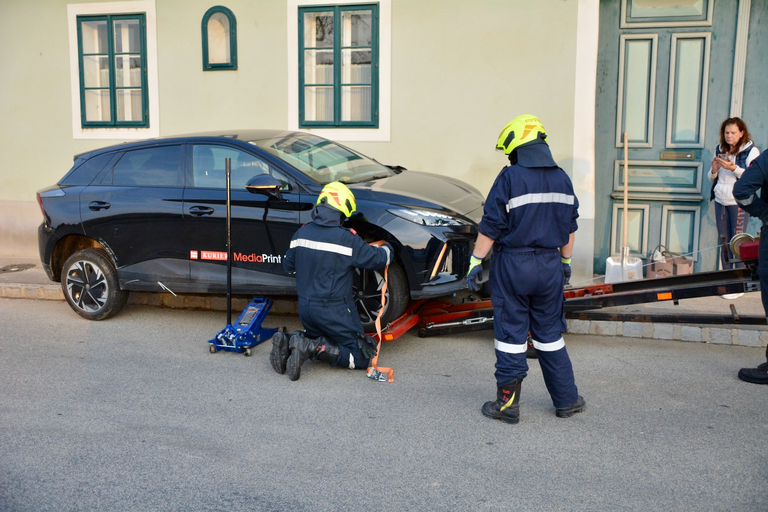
point(323, 160)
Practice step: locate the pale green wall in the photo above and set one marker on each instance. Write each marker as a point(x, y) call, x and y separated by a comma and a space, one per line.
point(252, 97)
point(36, 130)
point(460, 71)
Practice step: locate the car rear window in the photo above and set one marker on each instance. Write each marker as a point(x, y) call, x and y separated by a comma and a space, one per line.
point(149, 167)
point(87, 171)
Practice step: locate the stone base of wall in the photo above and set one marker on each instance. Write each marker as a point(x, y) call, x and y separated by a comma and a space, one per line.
point(18, 230)
point(745, 336)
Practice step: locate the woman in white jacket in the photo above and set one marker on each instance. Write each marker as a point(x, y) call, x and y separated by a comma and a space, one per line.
point(732, 156)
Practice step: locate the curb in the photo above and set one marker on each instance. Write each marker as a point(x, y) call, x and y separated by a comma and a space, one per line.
point(281, 306)
point(743, 336)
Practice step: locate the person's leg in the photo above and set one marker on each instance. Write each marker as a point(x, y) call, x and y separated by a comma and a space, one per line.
point(510, 280)
point(721, 220)
point(332, 329)
point(759, 375)
point(547, 326)
point(742, 220)
point(737, 223)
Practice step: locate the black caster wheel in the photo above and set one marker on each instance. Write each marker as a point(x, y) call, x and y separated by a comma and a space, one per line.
point(247, 352)
point(212, 348)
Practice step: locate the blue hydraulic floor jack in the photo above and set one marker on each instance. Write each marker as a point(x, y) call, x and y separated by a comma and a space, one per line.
point(247, 331)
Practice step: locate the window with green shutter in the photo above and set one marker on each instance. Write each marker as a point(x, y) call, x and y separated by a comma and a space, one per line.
point(219, 39)
point(338, 66)
point(113, 75)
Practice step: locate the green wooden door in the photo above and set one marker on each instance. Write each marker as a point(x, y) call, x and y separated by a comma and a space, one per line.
point(665, 73)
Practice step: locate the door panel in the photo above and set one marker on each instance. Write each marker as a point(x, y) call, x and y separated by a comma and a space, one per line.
point(688, 76)
point(135, 211)
point(261, 227)
point(637, 91)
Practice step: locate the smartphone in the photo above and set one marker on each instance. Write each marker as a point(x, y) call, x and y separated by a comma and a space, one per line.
point(723, 156)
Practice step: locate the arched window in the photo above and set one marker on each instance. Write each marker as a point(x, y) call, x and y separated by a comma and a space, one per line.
point(219, 39)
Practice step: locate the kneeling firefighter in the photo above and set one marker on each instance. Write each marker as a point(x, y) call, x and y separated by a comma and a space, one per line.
point(529, 220)
point(323, 255)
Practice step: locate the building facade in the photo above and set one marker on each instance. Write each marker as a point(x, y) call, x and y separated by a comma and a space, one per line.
point(424, 84)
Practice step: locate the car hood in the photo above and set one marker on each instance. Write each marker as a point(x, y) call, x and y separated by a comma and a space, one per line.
point(422, 189)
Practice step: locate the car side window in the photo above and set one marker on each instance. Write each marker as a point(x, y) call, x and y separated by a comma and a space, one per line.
point(209, 167)
point(150, 167)
point(87, 171)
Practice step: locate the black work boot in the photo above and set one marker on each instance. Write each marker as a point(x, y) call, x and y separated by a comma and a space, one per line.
point(757, 375)
point(567, 412)
point(280, 352)
point(507, 405)
point(303, 348)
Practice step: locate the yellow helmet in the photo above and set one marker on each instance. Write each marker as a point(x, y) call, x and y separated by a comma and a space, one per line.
point(520, 130)
point(339, 197)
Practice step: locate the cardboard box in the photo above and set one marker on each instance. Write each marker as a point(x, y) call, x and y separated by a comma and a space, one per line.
point(671, 266)
point(682, 265)
point(659, 269)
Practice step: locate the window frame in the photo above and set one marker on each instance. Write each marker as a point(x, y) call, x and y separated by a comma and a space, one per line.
point(113, 87)
point(338, 85)
point(703, 20)
point(146, 7)
point(232, 65)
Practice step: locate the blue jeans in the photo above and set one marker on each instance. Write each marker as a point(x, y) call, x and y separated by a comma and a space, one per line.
point(730, 221)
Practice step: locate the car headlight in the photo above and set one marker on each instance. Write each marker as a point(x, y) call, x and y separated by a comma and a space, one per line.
point(427, 217)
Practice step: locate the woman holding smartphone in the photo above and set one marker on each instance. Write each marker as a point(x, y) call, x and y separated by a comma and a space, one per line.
point(732, 156)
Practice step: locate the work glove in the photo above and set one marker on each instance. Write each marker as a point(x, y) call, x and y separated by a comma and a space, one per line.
point(475, 271)
point(566, 269)
point(367, 346)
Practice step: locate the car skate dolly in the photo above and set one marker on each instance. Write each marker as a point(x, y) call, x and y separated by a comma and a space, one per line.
point(439, 317)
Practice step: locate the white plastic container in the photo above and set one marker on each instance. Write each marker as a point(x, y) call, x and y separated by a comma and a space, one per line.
point(619, 271)
point(625, 267)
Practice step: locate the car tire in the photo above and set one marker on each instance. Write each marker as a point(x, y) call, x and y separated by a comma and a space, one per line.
point(90, 285)
point(367, 286)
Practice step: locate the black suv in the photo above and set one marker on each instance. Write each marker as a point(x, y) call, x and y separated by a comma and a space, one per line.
point(151, 216)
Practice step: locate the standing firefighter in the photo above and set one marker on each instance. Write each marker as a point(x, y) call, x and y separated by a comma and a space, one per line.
point(529, 221)
point(755, 179)
point(323, 255)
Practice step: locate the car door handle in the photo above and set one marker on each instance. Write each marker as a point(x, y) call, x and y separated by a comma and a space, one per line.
point(199, 211)
point(98, 205)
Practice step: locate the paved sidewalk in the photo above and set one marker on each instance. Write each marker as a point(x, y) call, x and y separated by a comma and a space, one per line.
point(24, 278)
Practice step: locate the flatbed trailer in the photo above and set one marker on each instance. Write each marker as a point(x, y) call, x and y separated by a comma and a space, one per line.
point(439, 317)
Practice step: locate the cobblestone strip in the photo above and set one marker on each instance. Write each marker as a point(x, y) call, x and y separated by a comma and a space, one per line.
point(740, 336)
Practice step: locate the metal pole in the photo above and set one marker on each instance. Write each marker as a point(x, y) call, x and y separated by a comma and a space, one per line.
point(228, 167)
point(625, 246)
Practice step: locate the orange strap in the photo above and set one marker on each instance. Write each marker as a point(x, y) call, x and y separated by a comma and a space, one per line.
point(375, 371)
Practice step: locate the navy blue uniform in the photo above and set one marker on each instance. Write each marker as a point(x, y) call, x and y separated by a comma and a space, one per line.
point(324, 255)
point(745, 192)
point(530, 213)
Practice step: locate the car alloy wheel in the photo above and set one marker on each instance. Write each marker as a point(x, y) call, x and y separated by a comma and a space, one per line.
point(90, 285)
point(366, 287)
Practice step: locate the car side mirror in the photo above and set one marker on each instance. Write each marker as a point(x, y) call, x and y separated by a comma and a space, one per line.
point(264, 184)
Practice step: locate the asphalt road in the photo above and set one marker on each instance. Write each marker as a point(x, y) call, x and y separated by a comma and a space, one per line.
point(134, 413)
